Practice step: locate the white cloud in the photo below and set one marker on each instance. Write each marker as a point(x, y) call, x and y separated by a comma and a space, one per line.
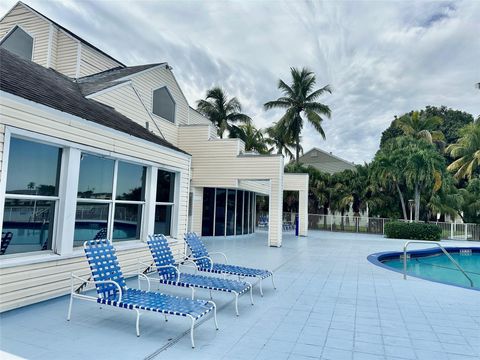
point(382, 58)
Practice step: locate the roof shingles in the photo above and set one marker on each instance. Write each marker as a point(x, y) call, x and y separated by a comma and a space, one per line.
point(33, 82)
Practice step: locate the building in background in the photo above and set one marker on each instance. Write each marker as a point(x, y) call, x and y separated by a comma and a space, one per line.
point(91, 147)
point(325, 161)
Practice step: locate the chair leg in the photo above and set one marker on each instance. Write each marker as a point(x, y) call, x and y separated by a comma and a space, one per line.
point(191, 331)
point(261, 288)
point(236, 303)
point(251, 294)
point(214, 314)
point(211, 295)
point(193, 293)
point(137, 325)
point(70, 308)
point(166, 319)
point(273, 282)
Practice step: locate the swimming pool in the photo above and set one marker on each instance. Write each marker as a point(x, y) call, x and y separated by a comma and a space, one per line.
point(432, 264)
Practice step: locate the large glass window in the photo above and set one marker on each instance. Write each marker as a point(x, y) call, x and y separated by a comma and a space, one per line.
point(164, 202)
point(208, 211)
point(239, 215)
point(31, 197)
point(96, 205)
point(163, 104)
point(19, 43)
point(231, 197)
point(220, 212)
point(228, 212)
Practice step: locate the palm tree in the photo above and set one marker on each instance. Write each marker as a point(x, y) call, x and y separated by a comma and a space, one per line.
point(421, 126)
point(466, 151)
point(300, 98)
point(224, 113)
point(251, 136)
point(280, 139)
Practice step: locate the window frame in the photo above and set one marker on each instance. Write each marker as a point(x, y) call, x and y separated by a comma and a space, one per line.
point(173, 204)
point(5, 37)
point(174, 122)
point(56, 199)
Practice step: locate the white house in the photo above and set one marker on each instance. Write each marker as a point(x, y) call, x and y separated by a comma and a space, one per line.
point(92, 147)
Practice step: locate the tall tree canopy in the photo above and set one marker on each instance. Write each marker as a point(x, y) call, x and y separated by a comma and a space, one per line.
point(466, 152)
point(300, 100)
point(224, 113)
point(251, 136)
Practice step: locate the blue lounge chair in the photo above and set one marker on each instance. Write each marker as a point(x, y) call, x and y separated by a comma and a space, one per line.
point(204, 262)
point(169, 274)
point(112, 289)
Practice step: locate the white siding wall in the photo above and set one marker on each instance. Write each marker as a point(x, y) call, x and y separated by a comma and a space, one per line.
point(66, 54)
point(54, 48)
point(148, 81)
point(34, 25)
point(299, 182)
point(26, 284)
point(2, 140)
point(217, 163)
point(93, 62)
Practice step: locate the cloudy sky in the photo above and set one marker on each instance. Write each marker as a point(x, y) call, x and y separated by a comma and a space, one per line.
point(381, 58)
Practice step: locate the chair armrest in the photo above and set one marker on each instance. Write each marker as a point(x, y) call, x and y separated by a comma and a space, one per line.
point(173, 267)
point(220, 253)
point(187, 261)
point(203, 257)
point(73, 276)
point(140, 275)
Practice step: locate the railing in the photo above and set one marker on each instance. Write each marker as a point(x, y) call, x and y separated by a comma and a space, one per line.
point(443, 250)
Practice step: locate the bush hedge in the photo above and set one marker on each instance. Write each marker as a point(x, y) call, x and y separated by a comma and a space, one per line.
point(414, 231)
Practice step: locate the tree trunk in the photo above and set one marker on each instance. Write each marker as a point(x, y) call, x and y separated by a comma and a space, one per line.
point(417, 202)
point(297, 149)
point(402, 201)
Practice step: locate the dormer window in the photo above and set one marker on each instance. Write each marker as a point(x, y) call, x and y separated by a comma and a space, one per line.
point(19, 42)
point(163, 104)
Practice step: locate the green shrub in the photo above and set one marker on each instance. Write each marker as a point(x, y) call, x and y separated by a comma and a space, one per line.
point(414, 231)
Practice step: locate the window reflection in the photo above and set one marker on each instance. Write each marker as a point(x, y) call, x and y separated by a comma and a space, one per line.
point(91, 222)
point(208, 211)
point(220, 212)
point(239, 227)
point(96, 177)
point(33, 168)
point(231, 212)
point(127, 222)
point(130, 182)
point(165, 186)
point(30, 223)
point(163, 219)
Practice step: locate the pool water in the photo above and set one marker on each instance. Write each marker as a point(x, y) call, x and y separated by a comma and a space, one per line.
point(433, 264)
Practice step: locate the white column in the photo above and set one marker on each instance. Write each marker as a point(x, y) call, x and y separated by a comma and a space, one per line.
point(67, 204)
point(197, 209)
point(303, 212)
point(148, 227)
point(275, 207)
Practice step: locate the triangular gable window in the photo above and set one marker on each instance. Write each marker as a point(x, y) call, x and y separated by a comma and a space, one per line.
point(19, 43)
point(163, 104)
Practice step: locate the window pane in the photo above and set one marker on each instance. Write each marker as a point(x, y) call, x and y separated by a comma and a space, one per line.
point(252, 213)
point(19, 43)
point(208, 207)
point(96, 177)
point(30, 224)
point(239, 212)
point(163, 104)
point(163, 219)
point(165, 186)
point(127, 222)
point(130, 182)
point(245, 212)
point(220, 212)
point(91, 222)
point(33, 168)
point(231, 212)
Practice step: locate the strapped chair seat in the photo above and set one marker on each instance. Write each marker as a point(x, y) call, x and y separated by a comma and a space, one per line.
point(203, 261)
point(112, 289)
point(169, 274)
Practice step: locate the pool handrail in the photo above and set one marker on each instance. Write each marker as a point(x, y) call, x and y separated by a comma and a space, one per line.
point(441, 248)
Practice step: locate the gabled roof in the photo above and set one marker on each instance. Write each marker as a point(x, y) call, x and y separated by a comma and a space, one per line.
point(48, 87)
point(71, 33)
point(96, 82)
point(325, 161)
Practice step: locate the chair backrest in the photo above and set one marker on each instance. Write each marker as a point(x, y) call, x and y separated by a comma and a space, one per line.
point(198, 249)
point(103, 261)
point(162, 255)
point(6, 238)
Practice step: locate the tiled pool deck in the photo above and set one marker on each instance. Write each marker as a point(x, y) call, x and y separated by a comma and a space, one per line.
point(331, 303)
